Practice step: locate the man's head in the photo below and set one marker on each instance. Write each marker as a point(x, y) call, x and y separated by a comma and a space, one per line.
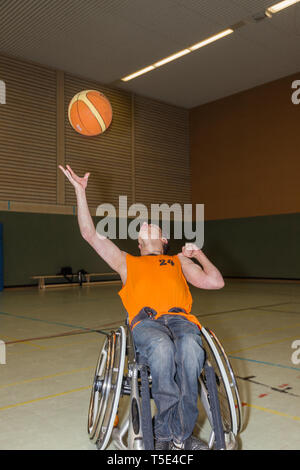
point(151, 240)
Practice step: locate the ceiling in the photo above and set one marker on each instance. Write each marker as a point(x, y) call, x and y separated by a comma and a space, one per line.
point(105, 40)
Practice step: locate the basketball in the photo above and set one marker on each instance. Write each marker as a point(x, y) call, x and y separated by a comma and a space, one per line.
point(90, 112)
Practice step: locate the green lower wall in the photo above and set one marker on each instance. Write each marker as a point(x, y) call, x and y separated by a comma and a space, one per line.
point(40, 244)
point(255, 247)
point(258, 247)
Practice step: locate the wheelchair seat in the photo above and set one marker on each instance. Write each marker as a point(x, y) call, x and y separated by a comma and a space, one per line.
point(121, 373)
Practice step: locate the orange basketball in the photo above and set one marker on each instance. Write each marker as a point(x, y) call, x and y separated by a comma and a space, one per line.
point(90, 112)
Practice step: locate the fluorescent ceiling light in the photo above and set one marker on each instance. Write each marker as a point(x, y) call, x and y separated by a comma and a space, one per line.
point(139, 72)
point(175, 56)
point(281, 6)
point(211, 39)
point(172, 57)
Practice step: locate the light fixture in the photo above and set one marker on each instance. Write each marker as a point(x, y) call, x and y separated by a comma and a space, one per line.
point(281, 6)
point(139, 72)
point(172, 57)
point(211, 39)
point(175, 56)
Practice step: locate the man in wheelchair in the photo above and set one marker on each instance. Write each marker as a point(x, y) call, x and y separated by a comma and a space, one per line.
point(158, 302)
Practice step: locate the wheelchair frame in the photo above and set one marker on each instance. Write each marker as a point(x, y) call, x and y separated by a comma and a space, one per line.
point(111, 381)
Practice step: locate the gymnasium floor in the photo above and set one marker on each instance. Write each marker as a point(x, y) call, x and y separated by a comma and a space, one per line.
point(45, 384)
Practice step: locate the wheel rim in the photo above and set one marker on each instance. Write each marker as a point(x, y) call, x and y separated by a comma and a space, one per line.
point(226, 385)
point(106, 388)
point(232, 382)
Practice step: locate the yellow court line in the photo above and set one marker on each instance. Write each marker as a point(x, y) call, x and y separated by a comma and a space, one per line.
point(267, 410)
point(262, 345)
point(37, 379)
point(229, 339)
point(274, 412)
point(51, 348)
point(72, 343)
point(210, 316)
point(44, 398)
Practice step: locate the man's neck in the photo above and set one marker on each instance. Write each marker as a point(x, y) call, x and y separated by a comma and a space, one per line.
point(151, 248)
point(151, 251)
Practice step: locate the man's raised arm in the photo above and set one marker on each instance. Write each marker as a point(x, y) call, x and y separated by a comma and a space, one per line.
point(206, 276)
point(105, 248)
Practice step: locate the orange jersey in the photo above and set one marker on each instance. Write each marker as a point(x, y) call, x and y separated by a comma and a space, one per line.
point(156, 282)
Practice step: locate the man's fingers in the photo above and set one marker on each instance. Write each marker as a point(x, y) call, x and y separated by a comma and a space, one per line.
point(66, 173)
point(186, 252)
point(191, 246)
point(74, 176)
point(63, 170)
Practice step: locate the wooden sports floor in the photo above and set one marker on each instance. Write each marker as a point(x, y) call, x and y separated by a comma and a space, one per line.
point(51, 357)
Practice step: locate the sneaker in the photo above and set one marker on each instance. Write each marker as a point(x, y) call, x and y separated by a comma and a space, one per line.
point(191, 443)
point(177, 446)
point(162, 445)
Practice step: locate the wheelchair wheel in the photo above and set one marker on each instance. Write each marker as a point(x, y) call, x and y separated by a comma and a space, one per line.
point(228, 393)
point(106, 388)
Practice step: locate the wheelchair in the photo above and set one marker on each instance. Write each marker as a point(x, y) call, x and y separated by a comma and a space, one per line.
point(121, 376)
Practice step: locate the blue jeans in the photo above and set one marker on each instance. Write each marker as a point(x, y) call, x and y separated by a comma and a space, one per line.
point(173, 349)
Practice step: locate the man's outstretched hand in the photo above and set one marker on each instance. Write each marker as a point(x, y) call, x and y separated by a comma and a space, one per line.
point(76, 181)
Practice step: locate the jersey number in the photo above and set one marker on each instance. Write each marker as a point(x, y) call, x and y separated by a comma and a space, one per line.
point(163, 262)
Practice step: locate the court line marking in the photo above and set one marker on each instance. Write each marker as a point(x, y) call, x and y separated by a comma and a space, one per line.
point(263, 362)
point(278, 311)
point(49, 322)
point(54, 347)
point(263, 345)
point(35, 400)
point(61, 335)
point(38, 338)
point(45, 377)
point(14, 340)
point(48, 349)
point(222, 312)
point(94, 330)
point(230, 339)
point(274, 412)
point(79, 332)
point(82, 328)
point(283, 389)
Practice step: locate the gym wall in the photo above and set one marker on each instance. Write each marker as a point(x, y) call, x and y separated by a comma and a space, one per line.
point(245, 167)
point(244, 162)
point(144, 155)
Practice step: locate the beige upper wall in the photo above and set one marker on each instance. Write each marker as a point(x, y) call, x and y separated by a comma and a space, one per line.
point(245, 153)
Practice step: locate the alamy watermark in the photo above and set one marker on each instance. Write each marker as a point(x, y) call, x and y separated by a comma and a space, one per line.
point(2, 92)
point(296, 94)
point(2, 352)
point(176, 221)
point(296, 354)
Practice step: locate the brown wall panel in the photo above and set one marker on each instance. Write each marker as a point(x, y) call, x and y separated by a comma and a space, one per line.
point(245, 157)
point(28, 133)
point(162, 169)
point(144, 154)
